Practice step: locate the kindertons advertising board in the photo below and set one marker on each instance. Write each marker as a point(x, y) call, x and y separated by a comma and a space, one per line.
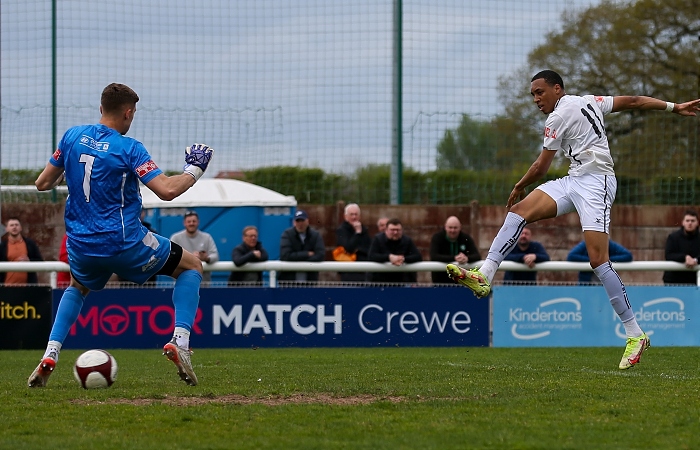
point(581, 316)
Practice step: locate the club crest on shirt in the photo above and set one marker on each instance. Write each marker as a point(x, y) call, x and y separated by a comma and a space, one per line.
point(145, 168)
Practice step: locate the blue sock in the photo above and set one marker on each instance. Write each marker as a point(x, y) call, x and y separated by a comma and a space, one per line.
point(186, 298)
point(68, 310)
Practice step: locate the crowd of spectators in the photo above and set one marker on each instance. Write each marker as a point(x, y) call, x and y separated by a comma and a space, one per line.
point(353, 242)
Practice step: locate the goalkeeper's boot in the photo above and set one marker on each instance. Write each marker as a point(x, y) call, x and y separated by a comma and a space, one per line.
point(472, 278)
point(180, 356)
point(40, 376)
point(633, 351)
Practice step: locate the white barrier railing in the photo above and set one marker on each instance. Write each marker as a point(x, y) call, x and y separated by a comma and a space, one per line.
point(334, 266)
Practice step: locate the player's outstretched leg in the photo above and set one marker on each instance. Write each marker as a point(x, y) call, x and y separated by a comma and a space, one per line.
point(471, 278)
point(633, 351)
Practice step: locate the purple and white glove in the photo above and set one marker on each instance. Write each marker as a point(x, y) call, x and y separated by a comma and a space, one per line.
point(197, 159)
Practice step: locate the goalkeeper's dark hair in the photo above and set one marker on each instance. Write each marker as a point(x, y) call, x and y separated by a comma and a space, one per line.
point(550, 77)
point(116, 96)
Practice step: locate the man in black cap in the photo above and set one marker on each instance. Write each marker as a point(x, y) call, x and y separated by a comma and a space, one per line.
point(301, 243)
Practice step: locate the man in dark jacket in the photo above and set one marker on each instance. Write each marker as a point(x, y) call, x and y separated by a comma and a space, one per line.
point(301, 243)
point(528, 252)
point(450, 245)
point(683, 246)
point(353, 236)
point(15, 247)
point(250, 250)
point(392, 246)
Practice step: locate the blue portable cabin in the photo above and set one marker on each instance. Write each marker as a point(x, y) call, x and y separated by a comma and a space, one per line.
point(225, 207)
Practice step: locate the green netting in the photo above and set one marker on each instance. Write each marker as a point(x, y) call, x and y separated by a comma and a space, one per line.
point(298, 96)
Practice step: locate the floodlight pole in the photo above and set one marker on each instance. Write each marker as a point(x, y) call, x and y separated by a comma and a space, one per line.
point(395, 179)
point(1, 227)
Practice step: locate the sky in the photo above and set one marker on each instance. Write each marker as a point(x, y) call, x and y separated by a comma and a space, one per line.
point(264, 82)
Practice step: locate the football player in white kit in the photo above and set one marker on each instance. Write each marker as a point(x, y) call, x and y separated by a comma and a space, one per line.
point(576, 126)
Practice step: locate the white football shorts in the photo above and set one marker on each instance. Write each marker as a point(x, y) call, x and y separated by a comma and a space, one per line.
point(590, 195)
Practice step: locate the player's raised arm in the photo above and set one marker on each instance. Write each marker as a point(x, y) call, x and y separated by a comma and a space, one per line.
point(641, 102)
point(197, 159)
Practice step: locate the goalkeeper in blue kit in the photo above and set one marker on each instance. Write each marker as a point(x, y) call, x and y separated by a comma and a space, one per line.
point(102, 168)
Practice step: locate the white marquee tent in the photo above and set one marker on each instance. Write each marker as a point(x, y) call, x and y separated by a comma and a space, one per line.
point(218, 192)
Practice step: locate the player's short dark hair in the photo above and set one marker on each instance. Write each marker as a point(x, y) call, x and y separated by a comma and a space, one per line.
point(691, 212)
point(115, 96)
point(550, 77)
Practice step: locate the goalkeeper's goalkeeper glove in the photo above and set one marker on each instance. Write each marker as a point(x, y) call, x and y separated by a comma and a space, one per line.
point(197, 159)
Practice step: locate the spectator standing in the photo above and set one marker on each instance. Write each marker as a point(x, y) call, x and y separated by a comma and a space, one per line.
point(200, 243)
point(352, 241)
point(683, 245)
point(394, 247)
point(301, 243)
point(450, 245)
point(250, 250)
point(16, 247)
point(579, 253)
point(528, 252)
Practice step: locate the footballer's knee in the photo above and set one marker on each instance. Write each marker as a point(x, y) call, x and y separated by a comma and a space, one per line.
point(190, 262)
point(180, 261)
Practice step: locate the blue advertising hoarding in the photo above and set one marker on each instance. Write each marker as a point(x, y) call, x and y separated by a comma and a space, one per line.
point(581, 316)
point(285, 317)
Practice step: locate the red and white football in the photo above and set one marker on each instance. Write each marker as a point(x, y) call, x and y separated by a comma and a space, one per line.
point(95, 369)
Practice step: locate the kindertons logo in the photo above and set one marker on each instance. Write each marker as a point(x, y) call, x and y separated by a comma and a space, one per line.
point(665, 313)
point(557, 314)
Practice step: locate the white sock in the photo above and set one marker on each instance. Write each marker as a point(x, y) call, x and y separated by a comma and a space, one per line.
point(52, 347)
point(632, 328)
point(182, 337)
point(502, 244)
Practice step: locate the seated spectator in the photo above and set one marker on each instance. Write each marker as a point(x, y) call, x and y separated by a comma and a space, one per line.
point(528, 252)
point(18, 248)
point(683, 245)
point(450, 245)
point(352, 242)
point(301, 243)
point(250, 250)
point(392, 246)
point(579, 253)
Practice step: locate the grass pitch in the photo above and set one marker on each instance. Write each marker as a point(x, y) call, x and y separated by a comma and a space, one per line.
point(361, 398)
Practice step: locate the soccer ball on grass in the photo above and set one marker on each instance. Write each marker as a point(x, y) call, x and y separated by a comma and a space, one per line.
point(95, 369)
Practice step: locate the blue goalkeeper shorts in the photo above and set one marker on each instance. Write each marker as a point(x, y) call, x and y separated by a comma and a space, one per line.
point(137, 264)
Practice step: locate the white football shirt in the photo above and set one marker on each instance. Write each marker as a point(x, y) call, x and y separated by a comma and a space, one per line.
point(576, 126)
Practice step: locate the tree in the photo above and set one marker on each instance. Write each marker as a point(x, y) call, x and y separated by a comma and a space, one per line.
point(647, 47)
